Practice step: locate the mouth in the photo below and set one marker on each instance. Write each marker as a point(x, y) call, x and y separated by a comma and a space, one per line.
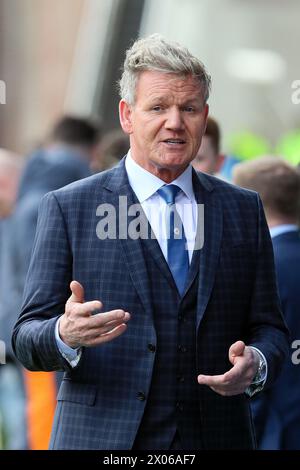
point(174, 142)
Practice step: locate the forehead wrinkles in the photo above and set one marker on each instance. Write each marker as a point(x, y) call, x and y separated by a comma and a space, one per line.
point(169, 86)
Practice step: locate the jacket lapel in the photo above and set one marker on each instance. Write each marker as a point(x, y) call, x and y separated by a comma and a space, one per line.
point(123, 198)
point(209, 234)
point(194, 267)
point(119, 184)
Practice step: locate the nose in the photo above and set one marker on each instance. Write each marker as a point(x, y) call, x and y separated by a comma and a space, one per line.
point(174, 119)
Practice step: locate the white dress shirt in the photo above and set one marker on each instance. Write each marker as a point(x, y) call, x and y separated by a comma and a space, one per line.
point(145, 185)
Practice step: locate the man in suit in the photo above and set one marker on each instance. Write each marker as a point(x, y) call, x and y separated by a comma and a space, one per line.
point(186, 325)
point(277, 410)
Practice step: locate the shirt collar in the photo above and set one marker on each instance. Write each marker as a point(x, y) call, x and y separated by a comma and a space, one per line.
point(145, 184)
point(284, 228)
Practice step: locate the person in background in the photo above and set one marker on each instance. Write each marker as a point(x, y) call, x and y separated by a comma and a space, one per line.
point(64, 158)
point(11, 166)
point(163, 338)
point(277, 410)
point(208, 158)
point(12, 396)
point(113, 146)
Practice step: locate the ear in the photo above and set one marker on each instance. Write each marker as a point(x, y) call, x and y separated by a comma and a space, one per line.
point(125, 114)
point(206, 111)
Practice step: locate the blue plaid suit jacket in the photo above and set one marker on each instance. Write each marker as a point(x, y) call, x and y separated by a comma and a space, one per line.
point(98, 403)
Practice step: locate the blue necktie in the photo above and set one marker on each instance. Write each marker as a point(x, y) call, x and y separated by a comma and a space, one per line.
point(178, 257)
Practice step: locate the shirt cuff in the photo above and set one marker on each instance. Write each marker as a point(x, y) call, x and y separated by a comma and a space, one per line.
point(71, 355)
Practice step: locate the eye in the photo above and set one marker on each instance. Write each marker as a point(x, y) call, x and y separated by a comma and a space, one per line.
point(157, 108)
point(189, 109)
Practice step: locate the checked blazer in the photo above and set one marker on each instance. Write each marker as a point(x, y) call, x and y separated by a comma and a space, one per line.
point(99, 403)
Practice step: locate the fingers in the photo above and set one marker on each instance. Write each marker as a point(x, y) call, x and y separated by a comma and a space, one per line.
point(77, 292)
point(235, 350)
point(108, 336)
point(85, 309)
point(230, 378)
point(107, 329)
point(238, 378)
point(80, 326)
point(104, 328)
point(222, 385)
point(105, 319)
point(77, 306)
point(214, 380)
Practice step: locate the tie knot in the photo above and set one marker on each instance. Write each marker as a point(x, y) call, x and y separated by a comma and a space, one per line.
point(169, 193)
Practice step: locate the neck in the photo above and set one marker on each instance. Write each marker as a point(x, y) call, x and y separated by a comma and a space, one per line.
point(165, 174)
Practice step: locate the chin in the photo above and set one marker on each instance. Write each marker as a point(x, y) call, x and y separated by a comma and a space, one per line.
point(176, 164)
point(173, 162)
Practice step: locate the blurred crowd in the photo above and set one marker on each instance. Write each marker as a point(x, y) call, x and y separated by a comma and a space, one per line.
point(75, 148)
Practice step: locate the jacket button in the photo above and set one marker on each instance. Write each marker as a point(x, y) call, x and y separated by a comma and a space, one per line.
point(180, 378)
point(141, 396)
point(179, 406)
point(151, 347)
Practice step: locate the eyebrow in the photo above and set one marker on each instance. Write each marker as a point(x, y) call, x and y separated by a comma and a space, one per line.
point(162, 99)
point(157, 98)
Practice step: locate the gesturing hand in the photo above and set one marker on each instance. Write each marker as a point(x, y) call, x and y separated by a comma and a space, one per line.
point(245, 362)
point(79, 327)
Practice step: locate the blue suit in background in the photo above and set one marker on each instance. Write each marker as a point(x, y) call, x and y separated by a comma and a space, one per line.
point(277, 410)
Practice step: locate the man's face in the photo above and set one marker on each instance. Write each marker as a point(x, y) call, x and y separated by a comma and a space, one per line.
point(207, 160)
point(166, 122)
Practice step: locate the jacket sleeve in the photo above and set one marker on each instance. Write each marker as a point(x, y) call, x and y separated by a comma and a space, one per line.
point(267, 329)
point(46, 292)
